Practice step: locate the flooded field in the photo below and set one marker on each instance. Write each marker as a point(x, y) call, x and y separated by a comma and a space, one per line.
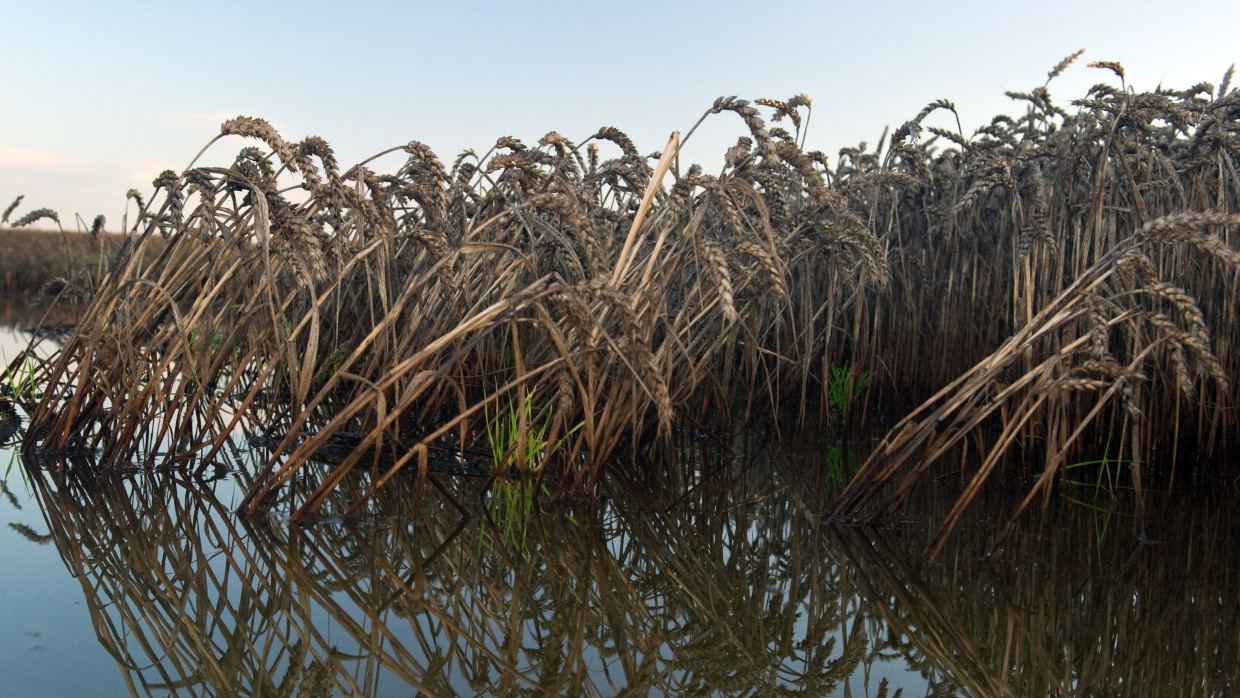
point(707, 573)
point(565, 419)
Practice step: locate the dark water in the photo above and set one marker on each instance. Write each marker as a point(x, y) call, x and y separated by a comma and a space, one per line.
point(707, 574)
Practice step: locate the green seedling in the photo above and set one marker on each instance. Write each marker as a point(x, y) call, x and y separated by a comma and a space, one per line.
point(505, 437)
point(845, 387)
point(20, 380)
point(512, 498)
point(1107, 477)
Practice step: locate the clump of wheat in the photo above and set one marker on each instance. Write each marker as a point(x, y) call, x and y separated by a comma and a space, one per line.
point(1056, 276)
point(1079, 260)
point(408, 306)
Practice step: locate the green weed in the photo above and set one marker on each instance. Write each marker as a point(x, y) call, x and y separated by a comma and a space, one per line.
point(1107, 476)
point(20, 380)
point(845, 387)
point(517, 442)
point(519, 447)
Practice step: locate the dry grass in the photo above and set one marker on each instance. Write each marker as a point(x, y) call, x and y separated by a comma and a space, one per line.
point(1069, 276)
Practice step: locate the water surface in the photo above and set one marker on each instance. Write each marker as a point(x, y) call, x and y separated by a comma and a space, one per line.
point(699, 572)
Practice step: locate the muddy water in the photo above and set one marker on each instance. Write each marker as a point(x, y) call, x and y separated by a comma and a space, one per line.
point(706, 574)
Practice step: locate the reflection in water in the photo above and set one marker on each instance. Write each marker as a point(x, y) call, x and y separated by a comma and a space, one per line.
point(21, 312)
point(711, 576)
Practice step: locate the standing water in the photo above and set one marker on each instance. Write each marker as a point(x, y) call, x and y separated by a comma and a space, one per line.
point(714, 576)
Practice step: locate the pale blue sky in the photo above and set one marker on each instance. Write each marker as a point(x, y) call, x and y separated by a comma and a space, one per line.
point(100, 97)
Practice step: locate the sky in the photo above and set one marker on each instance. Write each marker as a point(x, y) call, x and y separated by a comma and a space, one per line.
point(99, 98)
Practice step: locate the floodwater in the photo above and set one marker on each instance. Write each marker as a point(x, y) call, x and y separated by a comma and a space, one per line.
point(708, 573)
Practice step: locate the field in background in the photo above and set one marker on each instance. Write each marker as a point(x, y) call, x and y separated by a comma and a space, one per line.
point(31, 260)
